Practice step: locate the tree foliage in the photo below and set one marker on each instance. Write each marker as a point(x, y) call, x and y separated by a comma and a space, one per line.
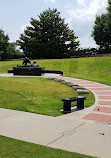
point(8, 50)
point(3, 43)
point(12, 52)
point(102, 29)
point(48, 37)
point(11, 48)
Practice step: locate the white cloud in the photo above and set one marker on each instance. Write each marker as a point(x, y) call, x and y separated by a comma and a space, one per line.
point(49, 1)
point(88, 11)
point(86, 41)
point(24, 27)
point(81, 3)
point(81, 19)
point(52, 1)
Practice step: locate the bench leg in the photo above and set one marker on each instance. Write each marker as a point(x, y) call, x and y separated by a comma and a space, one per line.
point(80, 104)
point(67, 106)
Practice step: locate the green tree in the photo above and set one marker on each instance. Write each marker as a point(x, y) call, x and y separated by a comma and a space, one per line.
point(11, 48)
point(102, 30)
point(109, 15)
point(48, 37)
point(3, 43)
point(12, 52)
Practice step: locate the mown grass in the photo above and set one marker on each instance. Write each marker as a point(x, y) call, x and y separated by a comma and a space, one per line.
point(92, 68)
point(8, 65)
point(11, 148)
point(37, 95)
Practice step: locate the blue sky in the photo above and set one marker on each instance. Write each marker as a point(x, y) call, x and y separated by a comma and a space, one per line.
point(79, 14)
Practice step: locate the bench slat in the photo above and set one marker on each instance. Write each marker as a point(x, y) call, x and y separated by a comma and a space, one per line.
point(74, 98)
point(70, 99)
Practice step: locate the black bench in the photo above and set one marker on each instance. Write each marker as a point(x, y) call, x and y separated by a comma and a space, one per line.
point(67, 103)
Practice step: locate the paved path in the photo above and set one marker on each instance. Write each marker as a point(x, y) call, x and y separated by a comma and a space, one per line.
point(86, 131)
point(101, 111)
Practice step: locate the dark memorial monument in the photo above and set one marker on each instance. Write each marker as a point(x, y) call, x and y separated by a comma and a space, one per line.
point(29, 69)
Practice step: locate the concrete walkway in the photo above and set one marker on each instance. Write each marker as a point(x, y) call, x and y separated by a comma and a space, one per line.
point(86, 131)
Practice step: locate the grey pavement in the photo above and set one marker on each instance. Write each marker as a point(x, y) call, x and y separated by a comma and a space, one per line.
point(68, 132)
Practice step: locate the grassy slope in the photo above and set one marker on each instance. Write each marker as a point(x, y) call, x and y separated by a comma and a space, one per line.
point(93, 68)
point(36, 95)
point(10, 148)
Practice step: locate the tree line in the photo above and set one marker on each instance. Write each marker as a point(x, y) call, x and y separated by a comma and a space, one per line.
point(50, 37)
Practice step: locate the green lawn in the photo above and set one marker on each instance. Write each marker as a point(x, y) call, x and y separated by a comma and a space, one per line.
point(11, 148)
point(37, 95)
point(91, 68)
point(43, 96)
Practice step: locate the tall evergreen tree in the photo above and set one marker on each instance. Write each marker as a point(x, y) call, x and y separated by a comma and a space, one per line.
point(48, 37)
